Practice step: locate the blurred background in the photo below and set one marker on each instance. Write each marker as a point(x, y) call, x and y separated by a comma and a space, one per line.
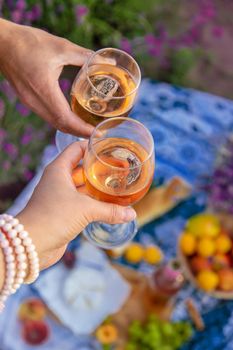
point(180, 264)
point(185, 43)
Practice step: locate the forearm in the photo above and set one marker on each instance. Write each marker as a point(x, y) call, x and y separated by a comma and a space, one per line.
point(8, 38)
point(2, 269)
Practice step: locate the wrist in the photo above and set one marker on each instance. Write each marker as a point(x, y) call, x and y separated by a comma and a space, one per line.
point(35, 231)
point(2, 269)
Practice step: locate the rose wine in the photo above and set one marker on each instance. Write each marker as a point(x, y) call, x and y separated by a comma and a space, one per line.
point(119, 171)
point(107, 91)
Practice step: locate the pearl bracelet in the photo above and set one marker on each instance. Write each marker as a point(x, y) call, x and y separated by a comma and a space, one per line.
point(20, 252)
point(10, 269)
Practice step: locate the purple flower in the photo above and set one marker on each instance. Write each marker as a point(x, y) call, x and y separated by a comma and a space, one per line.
point(65, 85)
point(154, 44)
point(150, 39)
point(21, 5)
point(26, 158)
point(10, 149)
point(217, 31)
point(17, 16)
point(80, 12)
point(26, 139)
point(28, 175)
point(8, 90)
point(29, 16)
point(208, 11)
point(2, 108)
point(23, 110)
point(6, 165)
point(36, 12)
point(125, 45)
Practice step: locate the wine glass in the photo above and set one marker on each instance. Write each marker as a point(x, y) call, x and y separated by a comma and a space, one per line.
point(105, 87)
point(118, 168)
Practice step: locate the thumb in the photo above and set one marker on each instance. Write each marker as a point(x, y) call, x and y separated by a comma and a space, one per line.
point(71, 156)
point(76, 55)
point(109, 213)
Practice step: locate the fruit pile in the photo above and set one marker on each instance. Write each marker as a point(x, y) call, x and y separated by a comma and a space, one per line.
point(158, 335)
point(209, 251)
point(32, 313)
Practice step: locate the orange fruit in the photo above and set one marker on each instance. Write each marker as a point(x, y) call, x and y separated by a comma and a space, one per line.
point(205, 224)
point(153, 255)
point(188, 243)
point(134, 253)
point(207, 280)
point(107, 334)
point(206, 247)
point(223, 244)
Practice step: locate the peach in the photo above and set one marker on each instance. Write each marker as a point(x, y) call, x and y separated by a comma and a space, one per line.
point(226, 280)
point(199, 263)
point(32, 309)
point(220, 261)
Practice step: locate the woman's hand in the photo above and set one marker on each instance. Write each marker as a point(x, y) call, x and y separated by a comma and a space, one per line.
point(57, 212)
point(32, 60)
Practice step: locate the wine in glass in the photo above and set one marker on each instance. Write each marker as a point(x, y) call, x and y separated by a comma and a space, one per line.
point(118, 168)
point(105, 87)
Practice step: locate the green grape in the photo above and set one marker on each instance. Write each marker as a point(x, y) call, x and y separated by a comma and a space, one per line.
point(167, 329)
point(131, 346)
point(106, 347)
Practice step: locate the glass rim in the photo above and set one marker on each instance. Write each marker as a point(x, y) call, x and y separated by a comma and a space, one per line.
point(86, 68)
point(150, 154)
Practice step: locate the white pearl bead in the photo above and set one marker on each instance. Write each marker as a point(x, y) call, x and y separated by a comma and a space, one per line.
point(9, 280)
point(23, 234)
point(2, 222)
point(22, 265)
point(27, 241)
point(21, 274)
point(3, 298)
point(19, 228)
point(8, 285)
point(16, 286)
point(4, 244)
point(5, 292)
point(19, 280)
point(5, 216)
point(12, 233)
point(8, 250)
point(19, 249)
point(9, 258)
point(31, 249)
point(14, 222)
point(11, 266)
point(32, 255)
point(11, 273)
point(7, 227)
point(16, 241)
point(21, 257)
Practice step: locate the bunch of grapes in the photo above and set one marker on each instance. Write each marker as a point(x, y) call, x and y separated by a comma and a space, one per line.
point(158, 335)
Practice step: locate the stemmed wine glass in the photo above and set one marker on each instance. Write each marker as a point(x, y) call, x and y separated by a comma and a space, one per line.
point(118, 168)
point(105, 87)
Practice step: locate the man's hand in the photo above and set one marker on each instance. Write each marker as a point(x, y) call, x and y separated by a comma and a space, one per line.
point(32, 60)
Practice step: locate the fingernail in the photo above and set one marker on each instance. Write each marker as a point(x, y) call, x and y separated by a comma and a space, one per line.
point(129, 214)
